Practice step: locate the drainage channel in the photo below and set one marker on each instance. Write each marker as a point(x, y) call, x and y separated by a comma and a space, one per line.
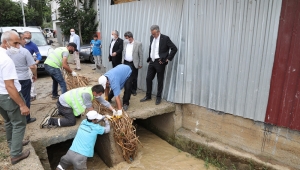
point(155, 153)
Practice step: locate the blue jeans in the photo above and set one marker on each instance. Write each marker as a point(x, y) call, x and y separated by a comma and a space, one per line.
point(25, 90)
point(57, 78)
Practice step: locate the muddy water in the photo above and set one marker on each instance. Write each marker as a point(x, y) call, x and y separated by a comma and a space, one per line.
point(155, 154)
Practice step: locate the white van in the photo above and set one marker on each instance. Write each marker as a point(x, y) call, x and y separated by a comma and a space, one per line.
point(38, 38)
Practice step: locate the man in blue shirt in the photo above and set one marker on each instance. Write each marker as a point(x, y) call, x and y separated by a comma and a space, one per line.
point(32, 48)
point(117, 78)
point(84, 142)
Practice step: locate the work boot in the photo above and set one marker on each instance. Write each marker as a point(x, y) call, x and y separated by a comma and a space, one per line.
point(54, 112)
point(125, 107)
point(45, 122)
point(17, 159)
point(55, 97)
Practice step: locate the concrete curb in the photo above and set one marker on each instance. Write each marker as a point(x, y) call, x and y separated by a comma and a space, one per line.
point(183, 134)
point(32, 162)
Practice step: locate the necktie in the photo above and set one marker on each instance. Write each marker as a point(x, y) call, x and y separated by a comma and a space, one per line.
point(153, 49)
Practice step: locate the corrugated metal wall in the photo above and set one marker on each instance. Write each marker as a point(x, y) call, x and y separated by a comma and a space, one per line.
point(226, 49)
point(284, 105)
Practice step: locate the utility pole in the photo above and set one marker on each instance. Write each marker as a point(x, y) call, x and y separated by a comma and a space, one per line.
point(23, 14)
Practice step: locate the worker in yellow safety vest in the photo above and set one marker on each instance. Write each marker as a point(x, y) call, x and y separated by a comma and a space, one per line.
point(73, 103)
point(54, 62)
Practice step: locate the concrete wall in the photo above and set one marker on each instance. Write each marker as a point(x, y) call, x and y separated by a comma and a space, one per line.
point(268, 143)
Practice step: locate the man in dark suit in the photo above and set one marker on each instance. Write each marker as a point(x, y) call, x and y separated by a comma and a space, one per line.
point(115, 49)
point(161, 50)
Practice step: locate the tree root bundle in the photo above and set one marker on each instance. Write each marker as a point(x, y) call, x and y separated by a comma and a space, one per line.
point(75, 82)
point(124, 132)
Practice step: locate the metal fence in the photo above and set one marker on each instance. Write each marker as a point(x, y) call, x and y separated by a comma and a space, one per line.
point(226, 49)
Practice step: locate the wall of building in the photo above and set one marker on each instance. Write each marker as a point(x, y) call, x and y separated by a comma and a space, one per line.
point(284, 106)
point(268, 143)
point(225, 49)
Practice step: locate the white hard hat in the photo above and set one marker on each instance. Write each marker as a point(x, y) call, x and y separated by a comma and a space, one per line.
point(91, 115)
point(102, 80)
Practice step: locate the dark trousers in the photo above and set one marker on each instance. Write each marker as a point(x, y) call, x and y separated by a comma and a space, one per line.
point(134, 73)
point(127, 91)
point(68, 118)
point(116, 60)
point(153, 69)
point(57, 78)
point(25, 90)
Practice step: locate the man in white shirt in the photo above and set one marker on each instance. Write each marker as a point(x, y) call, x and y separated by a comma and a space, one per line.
point(74, 38)
point(12, 106)
point(133, 56)
point(115, 49)
point(161, 51)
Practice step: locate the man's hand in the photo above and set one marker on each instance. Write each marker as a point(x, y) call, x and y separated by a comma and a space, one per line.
point(114, 54)
point(114, 112)
point(74, 74)
point(24, 110)
point(119, 113)
point(34, 78)
point(140, 67)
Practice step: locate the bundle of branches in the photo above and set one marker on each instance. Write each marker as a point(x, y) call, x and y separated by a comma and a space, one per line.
point(124, 132)
point(75, 82)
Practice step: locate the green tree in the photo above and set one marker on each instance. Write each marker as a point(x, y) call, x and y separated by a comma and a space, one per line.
point(67, 15)
point(81, 18)
point(47, 11)
point(38, 6)
point(10, 13)
point(87, 17)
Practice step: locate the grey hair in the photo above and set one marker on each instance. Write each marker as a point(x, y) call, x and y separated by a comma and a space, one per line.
point(7, 35)
point(27, 32)
point(117, 32)
point(128, 34)
point(154, 27)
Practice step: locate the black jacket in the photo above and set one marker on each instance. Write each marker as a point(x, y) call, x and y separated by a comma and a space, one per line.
point(165, 45)
point(118, 48)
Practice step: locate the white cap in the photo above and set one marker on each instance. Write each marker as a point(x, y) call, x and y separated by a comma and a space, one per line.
point(102, 80)
point(91, 115)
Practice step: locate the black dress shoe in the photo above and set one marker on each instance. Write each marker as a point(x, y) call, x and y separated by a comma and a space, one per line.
point(145, 99)
point(133, 93)
point(17, 159)
point(25, 142)
point(158, 100)
point(125, 107)
point(31, 120)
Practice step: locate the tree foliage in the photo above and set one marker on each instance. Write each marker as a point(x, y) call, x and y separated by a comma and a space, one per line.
point(11, 13)
point(38, 6)
point(71, 16)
